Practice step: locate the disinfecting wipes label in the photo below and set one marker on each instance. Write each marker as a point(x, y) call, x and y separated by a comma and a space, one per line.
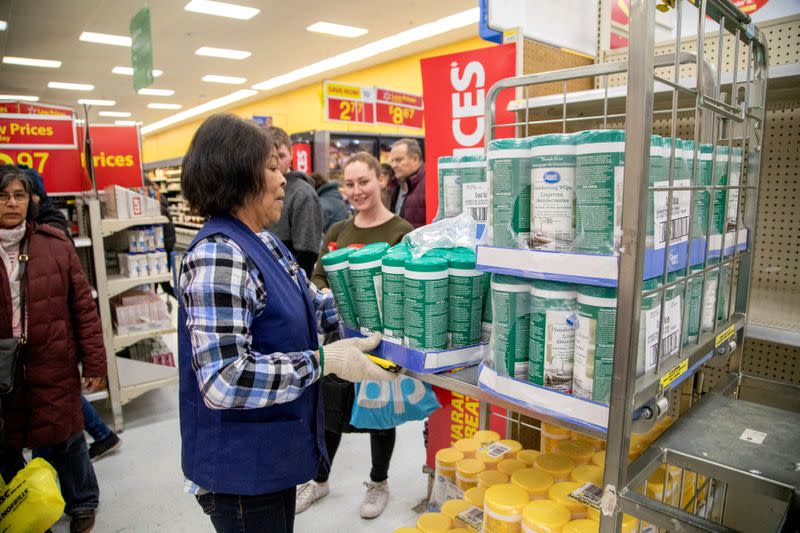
point(552, 207)
point(426, 312)
point(652, 318)
point(392, 304)
point(679, 224)
point(584, 358)
point(594, 351)
point(475, 201)
point(671, 332)
point(510, 332)
point(452, 195)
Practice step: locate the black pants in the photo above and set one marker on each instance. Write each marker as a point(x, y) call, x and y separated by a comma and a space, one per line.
point(339, 396)
point(70, 459)
point(265, 513)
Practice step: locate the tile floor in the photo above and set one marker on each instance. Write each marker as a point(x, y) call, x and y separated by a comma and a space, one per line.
point(141, 485)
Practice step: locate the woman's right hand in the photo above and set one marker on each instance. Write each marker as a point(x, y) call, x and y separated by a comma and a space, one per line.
point(346, 359)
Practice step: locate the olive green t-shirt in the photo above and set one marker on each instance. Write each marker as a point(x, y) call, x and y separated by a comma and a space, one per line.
point(346, 233)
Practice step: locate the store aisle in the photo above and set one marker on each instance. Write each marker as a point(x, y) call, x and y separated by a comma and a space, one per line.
point(141, 486)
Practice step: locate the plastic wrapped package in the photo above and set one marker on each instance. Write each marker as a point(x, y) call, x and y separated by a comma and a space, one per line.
point(449, 187)
point(466, 291)
point(681, 199)
point(456, 232)
point(508, 170)
point(462, 187)
point(552, 192)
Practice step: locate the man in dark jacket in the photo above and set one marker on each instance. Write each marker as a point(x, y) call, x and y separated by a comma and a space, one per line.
point(333, 205)
point(300, 226)
point(407, 193)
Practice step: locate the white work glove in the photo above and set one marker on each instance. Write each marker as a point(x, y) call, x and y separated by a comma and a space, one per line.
point(346, 359)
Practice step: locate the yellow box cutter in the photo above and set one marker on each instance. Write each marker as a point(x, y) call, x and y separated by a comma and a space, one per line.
point(384, 363)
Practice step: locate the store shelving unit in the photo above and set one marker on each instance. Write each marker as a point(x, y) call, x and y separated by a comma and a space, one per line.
point(127, 378)
point(169, 181)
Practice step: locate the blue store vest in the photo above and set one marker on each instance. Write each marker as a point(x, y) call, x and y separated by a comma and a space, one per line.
point(254, 451)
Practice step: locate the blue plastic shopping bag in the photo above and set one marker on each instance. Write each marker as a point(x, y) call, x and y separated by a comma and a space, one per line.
point(387, 404)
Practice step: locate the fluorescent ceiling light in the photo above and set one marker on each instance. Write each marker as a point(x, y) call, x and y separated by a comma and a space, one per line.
point(29, 62)
point(117, 114)
point(89, 101)
point(199, 110)
point(23, 97)
point(125, 122)
point(156, 92)
point(339, 30)
point(128, 71)
point(225, 53)
point(164, 106)
point(3, 25)
point(230, 80)
point(222, 9)
point(425, 31)
point(70, 86)
point(105, 38)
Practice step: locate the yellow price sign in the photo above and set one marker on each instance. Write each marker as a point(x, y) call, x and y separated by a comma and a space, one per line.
point(725, 336)
point(36, 160)
point(675, 373)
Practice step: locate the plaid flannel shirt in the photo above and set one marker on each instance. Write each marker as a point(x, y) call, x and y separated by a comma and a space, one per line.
point(223, 291)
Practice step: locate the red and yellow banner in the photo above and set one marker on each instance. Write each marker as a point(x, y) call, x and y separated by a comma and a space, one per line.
point(27, 108)
point(26, 131)
point(398, 109)
point(371, 105)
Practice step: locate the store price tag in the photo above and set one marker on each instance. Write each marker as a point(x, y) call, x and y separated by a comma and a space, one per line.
point(674, 374)
point(472, 517)
point(495, 450)
point(588, 494)
point(751, 435)
point(725, 336)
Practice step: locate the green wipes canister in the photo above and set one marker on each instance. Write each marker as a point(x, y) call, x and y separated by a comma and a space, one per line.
point(465, 300)
point(552, 335)
point(552, 192)
point(673, 315)
point(649, 317)
point(701, 178)
point(426, 309)
point(393, 271)
point(716, 288)
point(365, 281)
point(693, 294)
point(599, 171)
point(594, 343)
point(735, 173)
point(486, 316)
point(511, 325)
point(721, 173)
point(474, 187)
point(657, 174)
point(337, 269)
point(449, 169)
point(658, 200)
point(510, 183)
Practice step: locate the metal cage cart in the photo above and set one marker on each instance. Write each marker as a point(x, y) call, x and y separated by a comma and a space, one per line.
point(718, 447)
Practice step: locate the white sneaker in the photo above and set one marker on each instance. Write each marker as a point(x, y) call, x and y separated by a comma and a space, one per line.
point(308, 493)
point(375, 499)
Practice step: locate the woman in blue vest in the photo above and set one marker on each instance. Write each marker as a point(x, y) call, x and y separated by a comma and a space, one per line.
point(250, 413)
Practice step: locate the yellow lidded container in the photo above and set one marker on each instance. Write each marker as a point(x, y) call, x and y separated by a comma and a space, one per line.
point(434, 523)
point(515, 448)
point(528, 456)
point(453, 508)
point(551, 436)
point(544, 516)
point(489, 461)
point(588, 474)
point(629, 523)
point(509, 466)
point(490, 478)
point(459, 530)
point(469, 447)
point(485, 436)
point(474, 496)
point(598, 444)
point(407, 530)
point(689, 480)
point(557, 466)
point(578, 450)
point(502, 508)
point(639, 443)
point(599, 458)
point(467, 471)
point(559, 493)
point(664, 424)
point(446, 460)
point(535, 482)
point(656, 489)
point(581, 525)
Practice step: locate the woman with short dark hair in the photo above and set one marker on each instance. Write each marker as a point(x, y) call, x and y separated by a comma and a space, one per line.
point(251, 420)
point(46, 302)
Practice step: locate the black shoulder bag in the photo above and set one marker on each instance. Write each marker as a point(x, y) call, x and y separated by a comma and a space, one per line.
point(11, 349)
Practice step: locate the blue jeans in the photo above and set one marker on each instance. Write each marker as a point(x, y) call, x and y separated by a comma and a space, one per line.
point(71, 461)
point(265, 513)
point(92, 421)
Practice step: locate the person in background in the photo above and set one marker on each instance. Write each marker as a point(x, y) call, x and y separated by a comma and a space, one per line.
point(387, 180)
point(407, 195)
point(300, 224)
point(373, 223)
point(334, 207)
point(105, 440)
point(62, 329)
point(249, 357)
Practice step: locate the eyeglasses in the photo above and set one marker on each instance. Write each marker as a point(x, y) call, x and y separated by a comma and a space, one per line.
point(19, 197)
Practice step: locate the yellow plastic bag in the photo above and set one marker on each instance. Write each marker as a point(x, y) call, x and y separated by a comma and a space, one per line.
point(32, 501)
